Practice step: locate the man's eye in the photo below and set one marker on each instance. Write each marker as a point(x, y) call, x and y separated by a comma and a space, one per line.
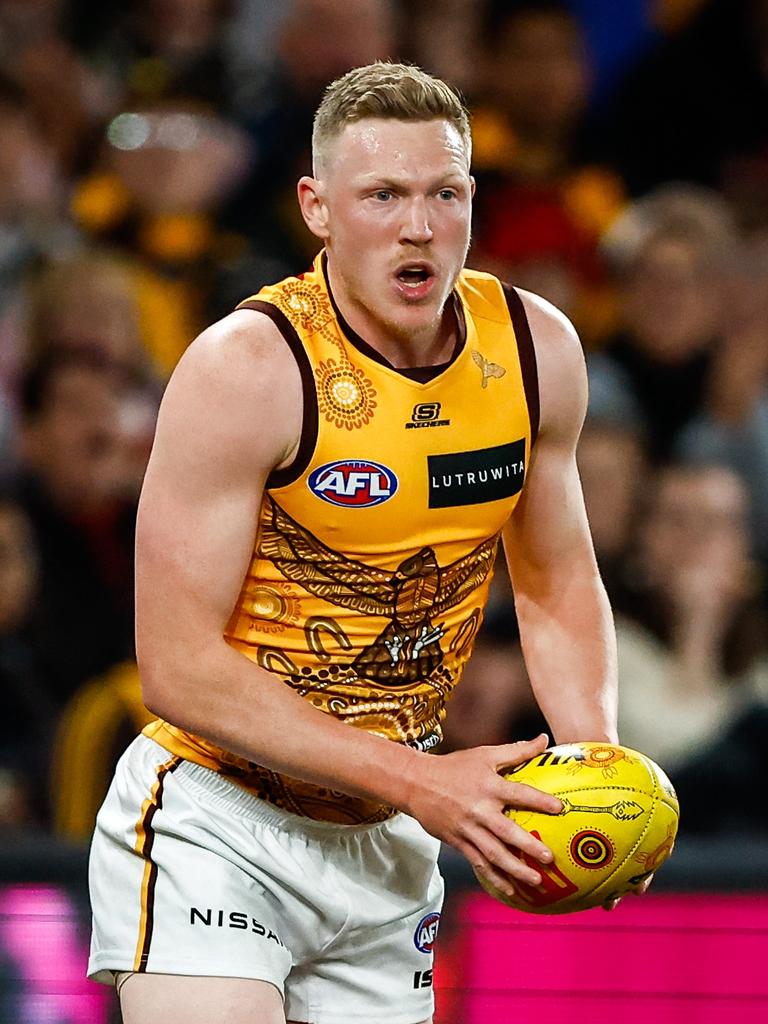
point(447, 193)
point(383, 195)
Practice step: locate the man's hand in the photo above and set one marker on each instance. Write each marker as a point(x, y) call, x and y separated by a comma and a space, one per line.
point(643, 887)
point(460, 798)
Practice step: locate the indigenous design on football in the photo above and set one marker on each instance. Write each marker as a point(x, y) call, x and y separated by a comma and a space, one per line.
point(345, 395)
point(591, 849)
point(605, 758)
point(622, 810)
point(655, 857)
point(611, 834)
point(410, 597)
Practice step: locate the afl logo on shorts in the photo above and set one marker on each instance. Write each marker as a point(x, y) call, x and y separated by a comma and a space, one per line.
point(353, 483)
point(426, 932)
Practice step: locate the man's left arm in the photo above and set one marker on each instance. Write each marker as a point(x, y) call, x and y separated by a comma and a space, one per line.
point(565, 620)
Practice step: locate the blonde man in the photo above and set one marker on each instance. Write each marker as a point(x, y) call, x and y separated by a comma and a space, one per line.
point(335, 463)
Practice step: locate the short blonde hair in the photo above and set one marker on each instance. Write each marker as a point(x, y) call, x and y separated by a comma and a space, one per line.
point(384, 90)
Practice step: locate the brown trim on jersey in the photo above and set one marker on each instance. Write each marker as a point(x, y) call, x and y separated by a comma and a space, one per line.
point(145, 841)
point(527, 353)
point(421, 374)
point(287, 474)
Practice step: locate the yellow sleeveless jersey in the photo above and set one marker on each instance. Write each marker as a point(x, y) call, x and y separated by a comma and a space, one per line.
point(375, 548)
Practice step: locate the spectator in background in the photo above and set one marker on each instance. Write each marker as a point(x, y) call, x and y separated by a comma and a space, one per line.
point(443, 38)
point(612, 466)
point(26, 711)
point(33, 224)
point(88, 300)
point(65, 97)
point(674, 255)
point(695, 108)
point(99, 299)
point(158, 49)
point(71, 487)
point(733, 427)
point(154, 195)
point(540, 207)
point(691, 631)
point(97, 724)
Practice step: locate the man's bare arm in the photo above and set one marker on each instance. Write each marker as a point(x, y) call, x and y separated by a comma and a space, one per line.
point(231, 413)
point(565, 620)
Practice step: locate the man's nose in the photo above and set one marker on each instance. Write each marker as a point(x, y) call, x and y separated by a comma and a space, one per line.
point(416, 226)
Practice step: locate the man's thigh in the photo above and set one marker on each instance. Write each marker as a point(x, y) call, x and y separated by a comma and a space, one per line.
point(165, 998)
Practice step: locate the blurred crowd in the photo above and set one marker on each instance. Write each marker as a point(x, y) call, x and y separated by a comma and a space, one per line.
point(148, 159)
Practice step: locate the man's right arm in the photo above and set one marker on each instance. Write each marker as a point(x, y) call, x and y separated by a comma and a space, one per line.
point(231, 413)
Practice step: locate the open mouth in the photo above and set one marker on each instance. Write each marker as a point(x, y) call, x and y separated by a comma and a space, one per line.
point(413, 275)
point(415, 280)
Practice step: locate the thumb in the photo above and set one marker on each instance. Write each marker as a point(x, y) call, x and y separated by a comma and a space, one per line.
point(508, 754)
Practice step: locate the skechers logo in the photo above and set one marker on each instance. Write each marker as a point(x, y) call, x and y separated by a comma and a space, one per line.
point(472, 478)
point(426, 414)
point(232, 919)
point(353, 483)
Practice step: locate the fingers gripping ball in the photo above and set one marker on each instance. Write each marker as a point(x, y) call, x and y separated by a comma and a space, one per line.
point(617, 826)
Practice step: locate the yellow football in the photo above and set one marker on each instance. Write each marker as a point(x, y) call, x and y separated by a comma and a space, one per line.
point(617, 826)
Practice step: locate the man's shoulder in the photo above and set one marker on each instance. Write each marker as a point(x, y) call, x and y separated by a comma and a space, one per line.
point(242, 342)
point(548, 322)
point(239, 373)
point(560, 366)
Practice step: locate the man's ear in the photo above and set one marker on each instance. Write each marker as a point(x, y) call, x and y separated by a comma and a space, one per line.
point(313, 207)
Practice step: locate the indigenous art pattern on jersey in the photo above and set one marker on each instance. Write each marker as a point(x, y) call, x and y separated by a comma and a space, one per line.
point(412, 597)
point(346, 397)
point(375, 548)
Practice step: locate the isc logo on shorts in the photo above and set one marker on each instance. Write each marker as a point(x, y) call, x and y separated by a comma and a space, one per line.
point(426, 932)
point(353, 483)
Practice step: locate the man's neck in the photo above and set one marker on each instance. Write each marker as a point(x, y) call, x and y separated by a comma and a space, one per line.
point(431, 346)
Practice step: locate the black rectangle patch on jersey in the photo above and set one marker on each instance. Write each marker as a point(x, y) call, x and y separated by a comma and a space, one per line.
point(472, 478)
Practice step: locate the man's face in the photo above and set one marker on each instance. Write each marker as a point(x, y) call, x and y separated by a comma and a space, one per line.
point(73, 444)
point(540, 72)
point(697, 522)
point(398, 208)
point(672, 301)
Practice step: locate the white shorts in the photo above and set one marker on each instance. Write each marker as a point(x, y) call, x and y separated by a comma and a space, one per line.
point(191, 874)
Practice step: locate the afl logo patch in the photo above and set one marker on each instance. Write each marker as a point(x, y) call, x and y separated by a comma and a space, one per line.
point(353, 483)
point(426, 932)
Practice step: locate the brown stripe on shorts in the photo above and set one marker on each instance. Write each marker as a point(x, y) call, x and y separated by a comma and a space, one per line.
point(145, 837)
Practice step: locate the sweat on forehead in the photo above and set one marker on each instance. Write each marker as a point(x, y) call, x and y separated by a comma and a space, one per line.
point(386, 91)
point(392, 146)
